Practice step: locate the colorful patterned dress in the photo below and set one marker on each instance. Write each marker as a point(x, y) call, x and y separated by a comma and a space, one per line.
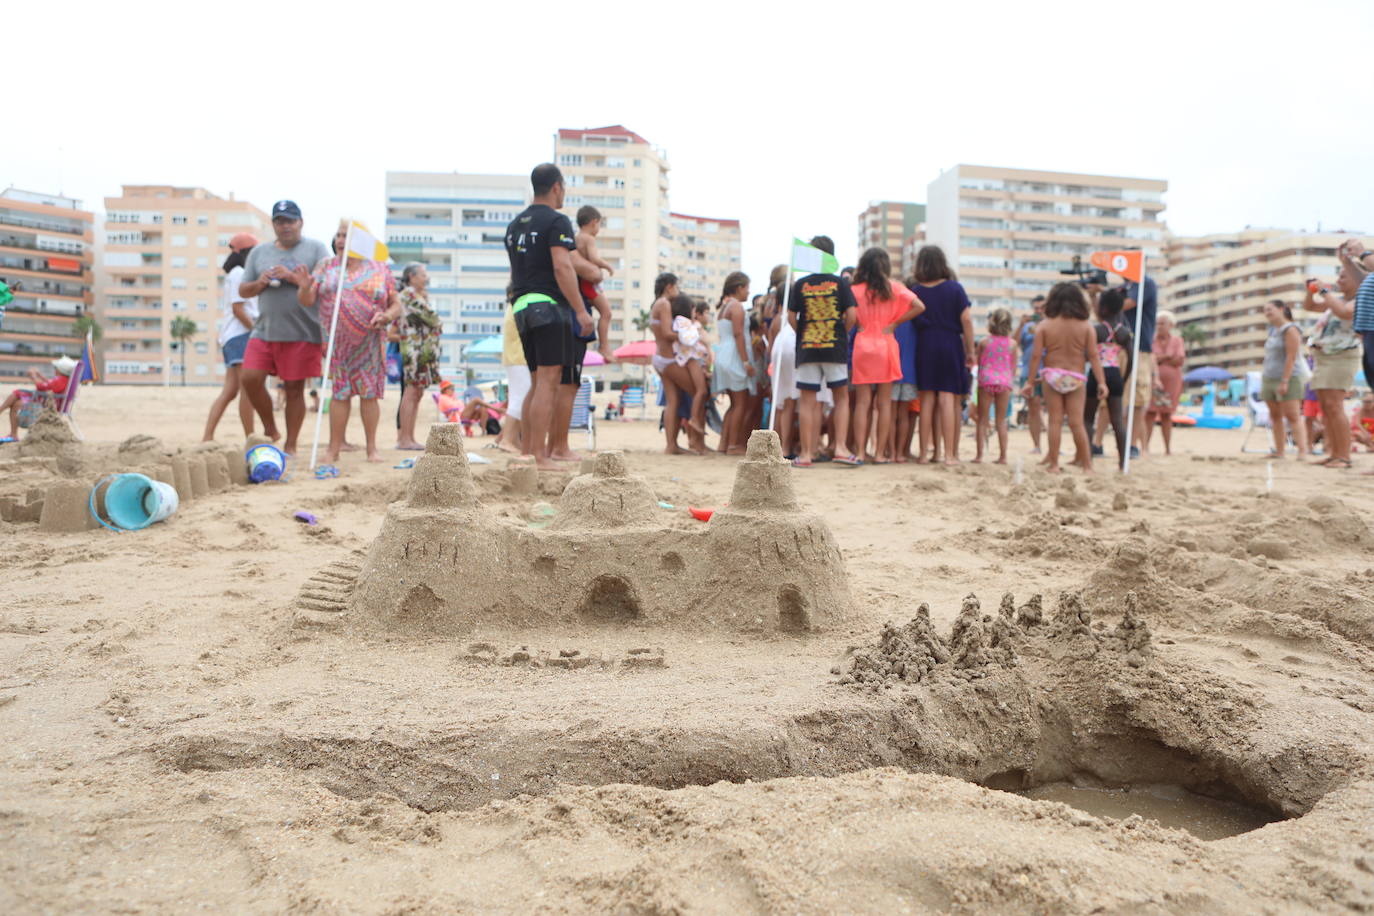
point(359, 364)
point(420, 329)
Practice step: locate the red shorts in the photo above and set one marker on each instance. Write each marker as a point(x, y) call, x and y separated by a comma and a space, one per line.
point(588, 290)
point(1311, 409)
point(288, 360)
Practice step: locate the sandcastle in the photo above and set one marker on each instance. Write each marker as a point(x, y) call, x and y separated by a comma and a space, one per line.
point(443, 564)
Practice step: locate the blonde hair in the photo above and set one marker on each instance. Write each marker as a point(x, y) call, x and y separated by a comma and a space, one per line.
point(999, 323)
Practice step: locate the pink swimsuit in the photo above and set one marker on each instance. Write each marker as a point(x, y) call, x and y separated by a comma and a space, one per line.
point(995, 365)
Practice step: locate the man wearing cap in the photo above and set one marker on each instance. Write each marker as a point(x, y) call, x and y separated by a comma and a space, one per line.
point(547, 305)
point(57, 385)
point(286, 338)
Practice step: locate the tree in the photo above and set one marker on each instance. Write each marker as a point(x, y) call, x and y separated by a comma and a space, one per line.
point(86, 324)
point(641, 321)
point(1193, 333)
point(183, 329)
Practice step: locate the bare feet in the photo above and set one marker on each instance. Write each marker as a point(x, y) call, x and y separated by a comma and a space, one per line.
point(1002, 460)
point(507, 447)
point(566, 456)
point(547, 464)
point(977, 459)
point(951, 461)
point(411, 446)
point(736, 450)
point(1052, 469)
point(348, 447)
point(330, 457)
point(374, 456)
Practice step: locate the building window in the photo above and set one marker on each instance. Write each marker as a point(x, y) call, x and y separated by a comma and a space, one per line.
point(178, 262)
point(203, 220)
point(202, 262)
point(179, 241)
point(178, 283)
point(178, 220)
point(202, 241)
point(202, 306)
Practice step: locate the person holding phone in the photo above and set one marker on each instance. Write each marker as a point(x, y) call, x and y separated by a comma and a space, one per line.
point(286, 337)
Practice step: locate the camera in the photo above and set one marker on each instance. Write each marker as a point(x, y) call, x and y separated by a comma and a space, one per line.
point(1087, 276)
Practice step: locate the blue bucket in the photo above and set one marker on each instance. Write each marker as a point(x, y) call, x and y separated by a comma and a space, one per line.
point(265, 462)
point(133, 501)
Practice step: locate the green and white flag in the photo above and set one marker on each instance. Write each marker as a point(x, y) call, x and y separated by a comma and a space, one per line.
point(809, 260)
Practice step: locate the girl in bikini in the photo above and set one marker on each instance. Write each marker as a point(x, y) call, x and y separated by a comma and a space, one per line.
point(1066, 340)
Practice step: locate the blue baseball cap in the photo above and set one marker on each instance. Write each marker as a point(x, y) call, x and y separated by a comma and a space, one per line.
point(286, 209)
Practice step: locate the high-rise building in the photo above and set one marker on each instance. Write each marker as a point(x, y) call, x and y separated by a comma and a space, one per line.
point(626, 178)
point(888, 224)
point(1218, 284)
point(164, 247)
point(45, 251)
point(455, 224)
point(1009, 232)
point(704, 251)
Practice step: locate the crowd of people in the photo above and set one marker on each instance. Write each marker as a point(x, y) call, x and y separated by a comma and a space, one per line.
point(854, 367)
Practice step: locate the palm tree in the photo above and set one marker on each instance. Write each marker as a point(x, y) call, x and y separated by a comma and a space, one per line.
point(87, 325)
point(641, 321)
point(183, 329)
point(1193, 333)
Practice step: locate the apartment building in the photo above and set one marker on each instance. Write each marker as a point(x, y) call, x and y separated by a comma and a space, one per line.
point(164, 247)
point(1220, 283)
point(45, 251)
point(455, 224)
point(625, 177)
point(703, 252)
point(889, 224)
point(1009, 232)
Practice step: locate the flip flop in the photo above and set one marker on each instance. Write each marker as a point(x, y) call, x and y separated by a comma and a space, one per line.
point(405, 465)
point(325, 471)
point(802, 463)
point(849, 461)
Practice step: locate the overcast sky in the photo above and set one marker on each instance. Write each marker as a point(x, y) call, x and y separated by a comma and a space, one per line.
point(789, 117)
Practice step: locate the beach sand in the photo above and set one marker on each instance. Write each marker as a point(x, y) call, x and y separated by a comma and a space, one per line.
point(182, 734)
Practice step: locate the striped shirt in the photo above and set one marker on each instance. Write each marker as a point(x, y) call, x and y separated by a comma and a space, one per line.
point(1364, 305)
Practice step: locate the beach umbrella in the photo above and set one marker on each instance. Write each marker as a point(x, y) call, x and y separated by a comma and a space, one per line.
point(641, 352)
point(1207, 374)
point(492, 344)
point(593, 358)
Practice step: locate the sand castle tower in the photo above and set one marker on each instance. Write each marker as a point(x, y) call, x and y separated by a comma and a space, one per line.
point(774, 566)
point(427, 567)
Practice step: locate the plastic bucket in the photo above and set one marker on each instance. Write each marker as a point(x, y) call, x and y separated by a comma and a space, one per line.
point(265, 462)
point(133, 501)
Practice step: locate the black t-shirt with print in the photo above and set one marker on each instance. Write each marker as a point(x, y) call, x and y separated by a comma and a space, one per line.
point(529, 238)
point(820, 302)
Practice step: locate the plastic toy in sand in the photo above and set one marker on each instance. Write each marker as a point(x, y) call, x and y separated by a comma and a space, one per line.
point(265, 462)
point(442, 564)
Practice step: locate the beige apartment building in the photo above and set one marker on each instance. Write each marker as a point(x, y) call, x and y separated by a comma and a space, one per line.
point(45, 251)
point(889, 225)
point(163, 249)
point(703, 252)
point(1220, 283)
point(1009, 232)
point(626, 178)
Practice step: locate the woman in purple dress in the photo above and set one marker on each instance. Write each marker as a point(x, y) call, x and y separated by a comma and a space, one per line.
point(944, 352)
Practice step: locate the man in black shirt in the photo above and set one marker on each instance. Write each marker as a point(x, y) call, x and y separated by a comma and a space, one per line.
point(822, 310)
point(546, 302)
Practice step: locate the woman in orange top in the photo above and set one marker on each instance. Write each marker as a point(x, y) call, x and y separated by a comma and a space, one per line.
point(877, 357)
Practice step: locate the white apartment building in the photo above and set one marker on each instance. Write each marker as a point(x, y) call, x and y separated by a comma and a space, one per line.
point(455, 224)
point(1009, 232)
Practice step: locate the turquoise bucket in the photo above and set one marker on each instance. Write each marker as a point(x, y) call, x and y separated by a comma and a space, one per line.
point(133, 501)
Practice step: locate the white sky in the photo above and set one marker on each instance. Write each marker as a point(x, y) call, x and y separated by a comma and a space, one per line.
point(790, 117)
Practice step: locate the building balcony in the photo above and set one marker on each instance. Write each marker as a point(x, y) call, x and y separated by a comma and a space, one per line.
point(140, 291)
point(10, 218)
point(152, 332)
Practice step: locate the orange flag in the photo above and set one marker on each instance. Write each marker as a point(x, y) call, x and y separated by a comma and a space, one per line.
point(1129, 264)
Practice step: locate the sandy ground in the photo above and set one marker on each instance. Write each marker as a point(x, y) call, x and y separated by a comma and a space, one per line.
point(179, 736)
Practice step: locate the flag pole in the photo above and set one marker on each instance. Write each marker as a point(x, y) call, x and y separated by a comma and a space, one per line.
point(1135, 368)
point(781, 316)
point(329, 351)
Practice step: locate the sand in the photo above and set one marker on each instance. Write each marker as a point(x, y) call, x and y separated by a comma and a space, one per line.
point(197, 716)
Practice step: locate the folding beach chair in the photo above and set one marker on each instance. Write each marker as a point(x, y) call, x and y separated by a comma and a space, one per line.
point(583, 416)
point(632, 397)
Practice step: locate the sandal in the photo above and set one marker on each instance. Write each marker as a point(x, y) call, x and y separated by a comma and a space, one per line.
point(1340, 464)
point(850, 461)
point(802, 463)
point(325, 471)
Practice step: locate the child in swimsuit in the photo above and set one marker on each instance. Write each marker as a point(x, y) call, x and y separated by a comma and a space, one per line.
point(996, 359)
point(1066, 340)
point(1362, 423)
point(588, 225)
point(690, 353)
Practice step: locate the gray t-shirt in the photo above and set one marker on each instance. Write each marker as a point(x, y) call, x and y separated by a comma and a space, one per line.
point(280, 315)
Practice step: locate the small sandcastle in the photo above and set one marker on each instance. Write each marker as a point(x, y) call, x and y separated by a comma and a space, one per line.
point(442, 564)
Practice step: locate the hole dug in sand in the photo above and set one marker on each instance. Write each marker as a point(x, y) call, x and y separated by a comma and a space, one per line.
point(792, 615)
